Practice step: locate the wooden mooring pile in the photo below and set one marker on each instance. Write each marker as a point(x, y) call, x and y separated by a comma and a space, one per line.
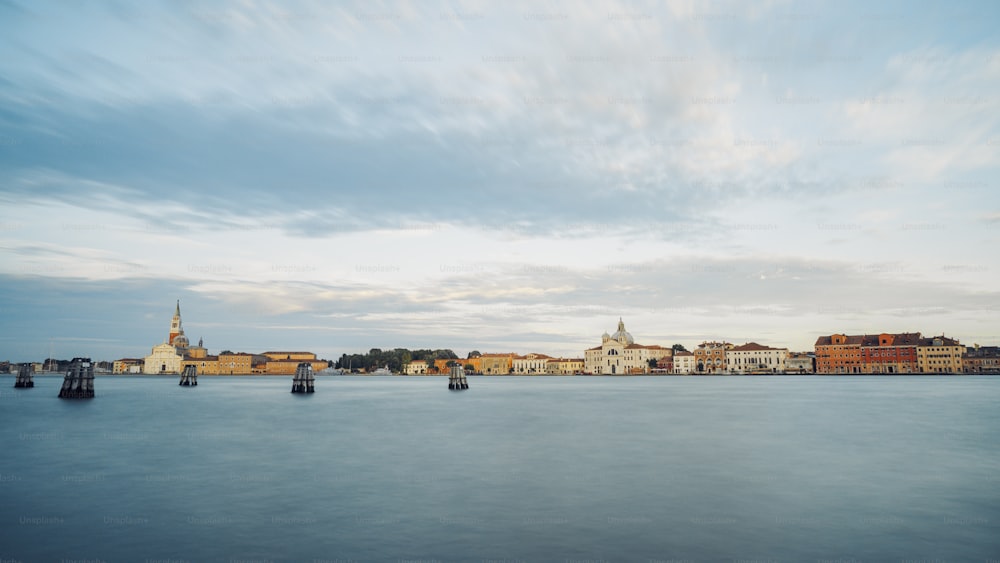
point(79, 381)
point(456, 379)
point(304, 379)
point(189, 377)
point(24, 376)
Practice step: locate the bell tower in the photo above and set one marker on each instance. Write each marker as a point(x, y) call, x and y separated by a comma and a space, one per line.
point(175, 325)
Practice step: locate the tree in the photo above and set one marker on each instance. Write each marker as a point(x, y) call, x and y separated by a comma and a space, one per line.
point(653, 363)
point(451, 363)
point(469, 368)
point(679, 348)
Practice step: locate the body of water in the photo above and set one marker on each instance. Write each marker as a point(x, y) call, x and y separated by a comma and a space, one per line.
point(514, 469)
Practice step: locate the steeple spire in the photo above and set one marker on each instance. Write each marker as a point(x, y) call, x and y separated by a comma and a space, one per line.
point(176, 328)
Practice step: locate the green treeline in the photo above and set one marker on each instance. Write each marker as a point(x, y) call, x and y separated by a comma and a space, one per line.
point(395, 359)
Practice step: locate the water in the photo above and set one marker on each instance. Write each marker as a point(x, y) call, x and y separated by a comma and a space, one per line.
point(534, 469)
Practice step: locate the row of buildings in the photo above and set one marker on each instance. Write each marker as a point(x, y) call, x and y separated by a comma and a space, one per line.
point(619, 354)
point(176, 353)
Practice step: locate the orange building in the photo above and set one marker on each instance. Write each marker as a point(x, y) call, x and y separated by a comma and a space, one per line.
point(838, 354)
point(884, 353)
point(710, 357)
point(890, 353)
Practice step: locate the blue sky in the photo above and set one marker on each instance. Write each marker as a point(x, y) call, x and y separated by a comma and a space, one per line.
point(495, 176)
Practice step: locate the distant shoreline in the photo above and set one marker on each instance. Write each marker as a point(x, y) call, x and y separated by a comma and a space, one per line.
point(514, 375)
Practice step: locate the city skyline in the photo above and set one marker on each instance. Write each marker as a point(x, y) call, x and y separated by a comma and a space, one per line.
point(506, 177)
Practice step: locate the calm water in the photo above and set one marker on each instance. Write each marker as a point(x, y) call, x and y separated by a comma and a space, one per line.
point(534, 469)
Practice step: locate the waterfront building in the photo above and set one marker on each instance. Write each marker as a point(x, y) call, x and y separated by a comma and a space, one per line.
point(299, 356)
point(618, 354)
point(497, 364)
point(475, 362)
point(239, 363)
point(939, 354)
point(285, 363)
point(838, 354)
point(684, 362)
point(564, 366)
point(753, 358)
point(890, 353)
point(710, 357)
point(127, 365)
point(206, 365)
point(163, 359)
point(981, 359)
point(665, 364)
point(530, 364)
point(166, 358)
point(416, 367)
point(800, 363)
point(887, 353)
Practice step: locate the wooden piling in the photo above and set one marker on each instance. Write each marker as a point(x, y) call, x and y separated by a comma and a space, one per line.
point(304, 379)
point(24, 376)
point(79, 381)
point(189, 377)
point(456, 379)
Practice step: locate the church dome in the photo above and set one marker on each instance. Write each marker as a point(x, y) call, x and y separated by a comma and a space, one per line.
point(622, 335)
point(180, 341)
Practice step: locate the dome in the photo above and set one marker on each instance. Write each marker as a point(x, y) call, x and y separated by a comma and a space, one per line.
point(180, 341)
point(622, 335)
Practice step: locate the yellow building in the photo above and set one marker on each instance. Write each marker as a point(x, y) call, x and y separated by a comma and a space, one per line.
point(299, 356)
point(939, 355)
point(564, 366)
point(235, 364)
point(205, 365)
point(497, 364)
point(287, 367)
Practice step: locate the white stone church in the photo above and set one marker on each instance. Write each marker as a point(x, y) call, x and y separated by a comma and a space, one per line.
point(618, 354)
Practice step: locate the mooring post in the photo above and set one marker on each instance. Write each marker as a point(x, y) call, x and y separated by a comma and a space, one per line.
point(24, 376)
point(456, 379)
point(189, 377)
point(304, 380)
point(79, 380)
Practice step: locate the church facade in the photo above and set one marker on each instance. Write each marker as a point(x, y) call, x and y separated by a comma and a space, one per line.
point(171, 356)
point(618, 354)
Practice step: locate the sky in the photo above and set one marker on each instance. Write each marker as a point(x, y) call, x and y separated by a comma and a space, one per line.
point(495, 176)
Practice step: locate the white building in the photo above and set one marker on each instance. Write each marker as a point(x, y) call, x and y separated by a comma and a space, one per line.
point(756, 358)
point(684, 362)
point(416, 367)
point(167, 357)
point(618, 354)
point(530, 364)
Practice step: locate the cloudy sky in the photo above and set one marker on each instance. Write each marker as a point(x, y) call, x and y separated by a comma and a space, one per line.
point(493, 175)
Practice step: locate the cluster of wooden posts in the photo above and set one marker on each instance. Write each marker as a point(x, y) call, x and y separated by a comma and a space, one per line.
point(79, 380)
